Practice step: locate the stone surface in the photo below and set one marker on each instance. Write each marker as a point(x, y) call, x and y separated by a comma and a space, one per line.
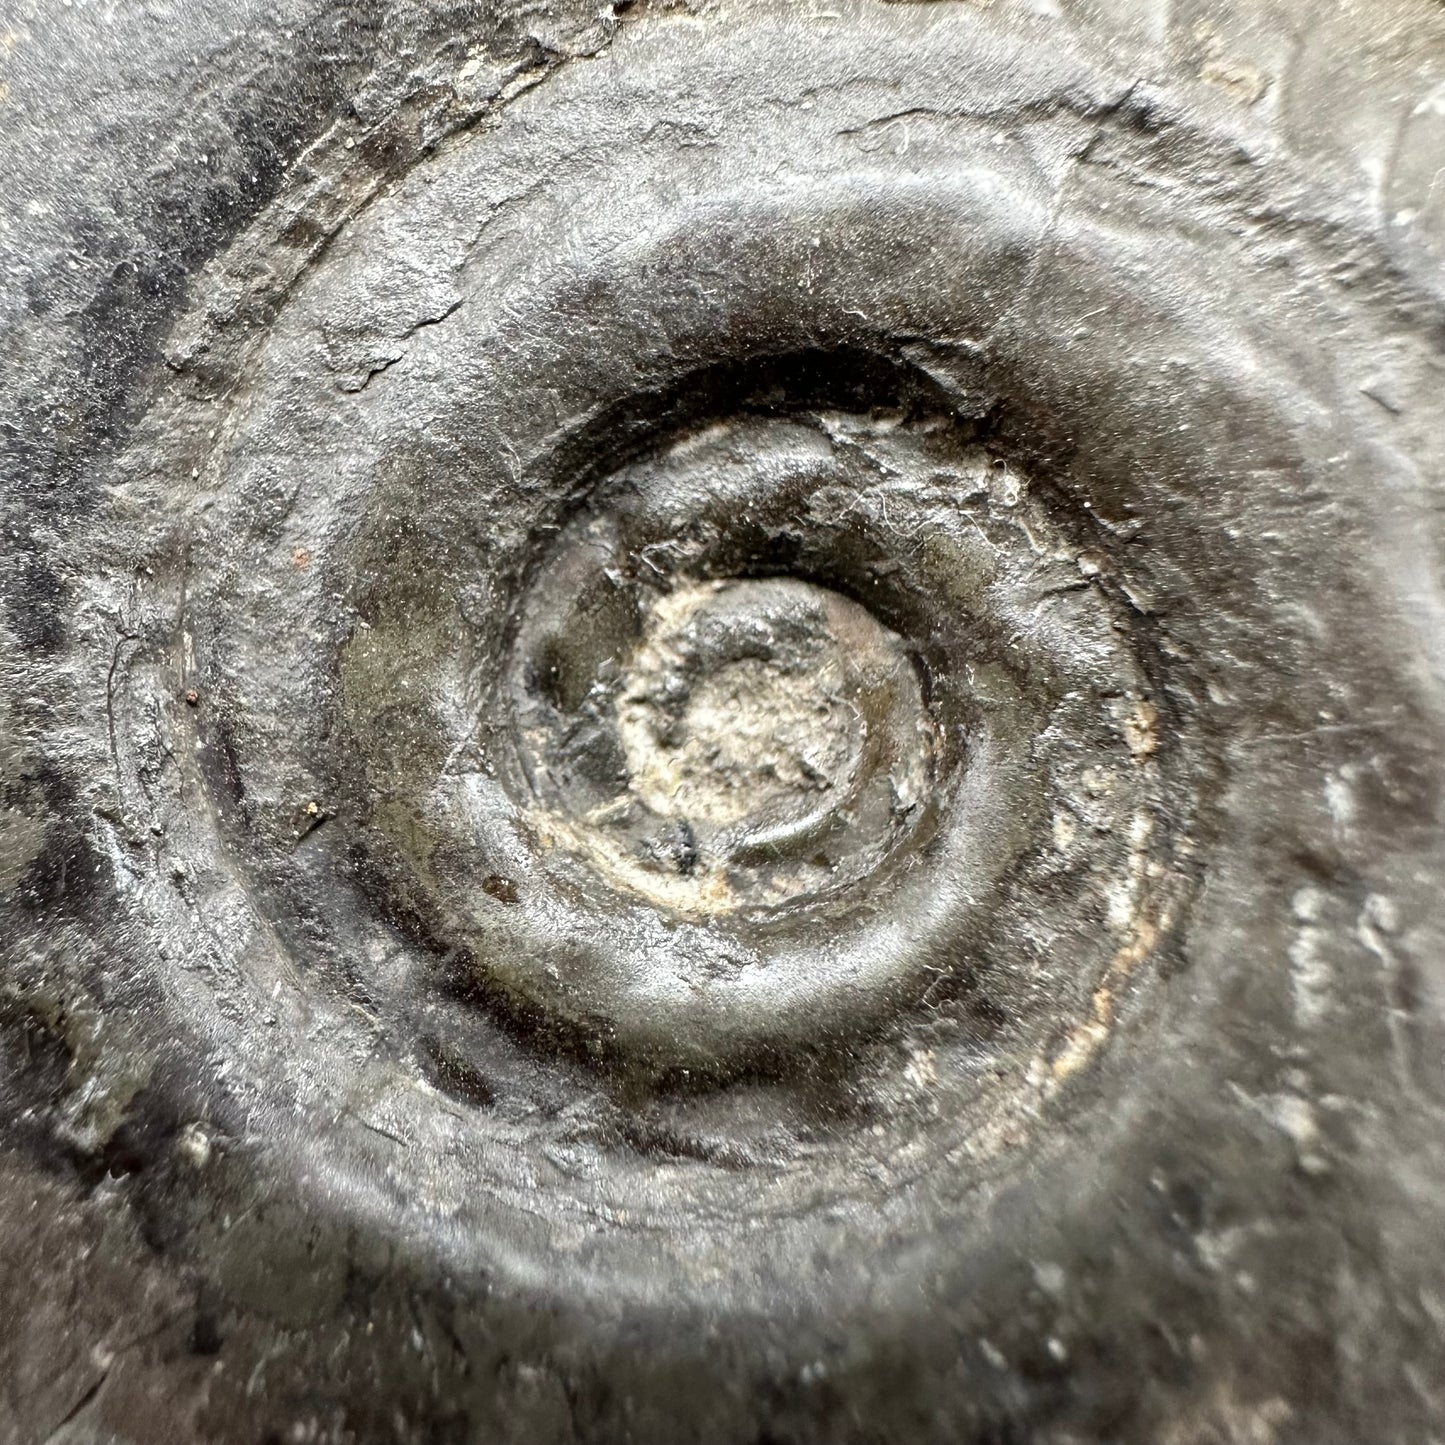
point(721, 722)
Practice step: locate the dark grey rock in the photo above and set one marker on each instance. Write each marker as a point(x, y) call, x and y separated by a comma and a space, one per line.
point(449, 993)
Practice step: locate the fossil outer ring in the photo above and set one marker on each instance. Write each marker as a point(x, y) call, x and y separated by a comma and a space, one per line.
point(1140, 377)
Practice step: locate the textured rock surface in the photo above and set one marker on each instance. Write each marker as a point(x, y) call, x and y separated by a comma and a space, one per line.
point(434, 1003)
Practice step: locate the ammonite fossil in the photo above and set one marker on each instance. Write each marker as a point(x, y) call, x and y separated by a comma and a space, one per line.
point(737, 737)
